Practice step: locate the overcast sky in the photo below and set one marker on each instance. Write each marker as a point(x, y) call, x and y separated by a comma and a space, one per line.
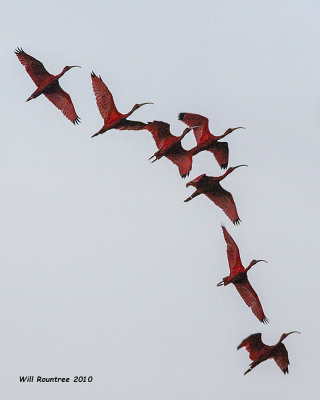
point(106, 272)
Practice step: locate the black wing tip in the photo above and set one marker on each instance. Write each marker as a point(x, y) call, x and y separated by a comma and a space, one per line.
point(181, 116)
point(93, 75)
point(285, 371)
point(265, 320)
point(224, 166)
point(18, 50)
point(237, 221)
point(76, 121)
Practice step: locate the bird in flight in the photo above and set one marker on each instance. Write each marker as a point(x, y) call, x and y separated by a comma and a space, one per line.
point(205, 139)
point(170, 146)
point(113, 119)
point(238, 276)
point(210, 186)
point(259, 352)
point(48, 85)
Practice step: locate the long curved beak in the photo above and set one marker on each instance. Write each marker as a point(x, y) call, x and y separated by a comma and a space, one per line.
point(73, 66)
point(263, 261)
point(242, 165)
point(293, 332)
point(142, 104)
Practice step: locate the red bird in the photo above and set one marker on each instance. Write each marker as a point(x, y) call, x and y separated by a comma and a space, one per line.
point(210, 186)
point(48, 85)
point(170, 146)
point(207, 141)
point(259, 352)
point(112, 118)
point(238, 276)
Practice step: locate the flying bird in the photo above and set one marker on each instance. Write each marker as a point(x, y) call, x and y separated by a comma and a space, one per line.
point(205, 139)
point(238, 276)
point(170, 146)
point(210, 186)
point(48, 85)
point(113, 119)
point(259, 352)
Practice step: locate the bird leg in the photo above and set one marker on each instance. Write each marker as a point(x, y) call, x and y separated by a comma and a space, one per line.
point(196, 193)
point(156, 156)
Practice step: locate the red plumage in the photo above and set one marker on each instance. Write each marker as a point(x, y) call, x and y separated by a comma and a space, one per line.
point(205, 139)
point(210, 186)
point(259, 352)
point(170, 146)
point(48, 85)
point(113, 119)
point(238, 276)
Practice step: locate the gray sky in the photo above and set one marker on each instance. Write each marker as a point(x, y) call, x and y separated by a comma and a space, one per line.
point(105, 271)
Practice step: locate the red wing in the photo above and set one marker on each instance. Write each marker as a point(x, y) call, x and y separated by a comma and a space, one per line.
point(63, 102)
point(233, 253)
point(183, 160)
point(128, 125)
point(220, 151)
point(251, 298)
point(160, 132)
point(224, 200)
point(35, 68)
point(202, 133)
point(254, 346)
point(281, 358)
point(104, 99)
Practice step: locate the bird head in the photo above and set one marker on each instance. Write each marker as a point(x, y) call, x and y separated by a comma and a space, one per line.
point(284, 335)
point(136, 106)
point(196, 180)
point(233, 168)
point(67, 67)
point(253, 262)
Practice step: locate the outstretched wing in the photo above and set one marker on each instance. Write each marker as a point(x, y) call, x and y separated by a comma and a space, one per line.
point(104, 99)
point(251, 298)
point(160, 132)
point(183, 160)
point(127, 125)
point(223, 199)
point(201, 133)
point(220, 151)
point(281, 357)
point(63, 102)
point(254, 346)
point(233, 253)
point(35, 68)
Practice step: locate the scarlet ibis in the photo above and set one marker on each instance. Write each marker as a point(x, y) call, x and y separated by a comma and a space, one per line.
point(210, 186)
point(238, 276)
point(259, 352)
point(205, 139)
point(48, 84)
point(170, 146)
point(112, 118)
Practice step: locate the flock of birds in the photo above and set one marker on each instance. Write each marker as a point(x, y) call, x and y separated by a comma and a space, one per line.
point(170, 146)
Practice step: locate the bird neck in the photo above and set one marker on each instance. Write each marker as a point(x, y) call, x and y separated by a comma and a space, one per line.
point(131, 111)
point(228, 171)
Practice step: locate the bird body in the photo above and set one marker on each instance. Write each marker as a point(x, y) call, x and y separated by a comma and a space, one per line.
point(206, 140)
point(259, 352)
point(238, 276)
point(113, 119)
point(48, 85)
point(210, 186)
point(170, 146)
